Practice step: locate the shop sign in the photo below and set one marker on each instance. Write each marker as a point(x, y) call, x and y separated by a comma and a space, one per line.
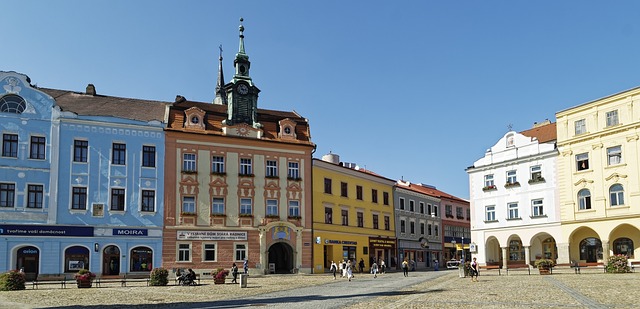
point(130, 232)
point(382, 243)
point(211, 235)
point(46, 230)
point(340, 242)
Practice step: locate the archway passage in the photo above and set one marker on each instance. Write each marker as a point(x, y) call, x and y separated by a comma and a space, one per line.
point(111, 261)
point(281, 256)
point(28, 259)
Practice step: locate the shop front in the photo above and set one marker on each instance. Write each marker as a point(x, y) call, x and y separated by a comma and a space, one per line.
point(338, 247)
point(383, 248)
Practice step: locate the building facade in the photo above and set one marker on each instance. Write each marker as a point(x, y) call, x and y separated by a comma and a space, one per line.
point(515, 218)
point(598, 178)
point(418, 225)
point(353, 215)
point(238, 182)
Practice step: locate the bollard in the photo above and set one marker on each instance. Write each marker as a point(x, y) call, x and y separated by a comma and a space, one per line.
point(243, 280)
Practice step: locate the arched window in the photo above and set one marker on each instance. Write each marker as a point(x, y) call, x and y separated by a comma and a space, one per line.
point(510, 140)
point(141, 259)
point(591, 250)
point(516, 251)
point(76, 258)
point(12, 103)
point(623, 246)
point(584, 199)
point(616, 193)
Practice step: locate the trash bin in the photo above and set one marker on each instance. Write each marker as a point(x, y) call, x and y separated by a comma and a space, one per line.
point(243, 280)
point(461, 270)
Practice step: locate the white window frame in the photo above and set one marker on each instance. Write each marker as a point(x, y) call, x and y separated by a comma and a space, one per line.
point(403, 226)
point(293, 170)
point(246, 166)
point(217, 205)
point(616, 197)
point(535, 172)
point(512, 177)
point(580, 126)
point(614, 155)
point(537, 208)
point(205, 250)
point(584, 200)
point(401, 203)
point(188, 204)
point(272, 168)
point(612, 118)
point(272, 207)
point(582, 157)
point(490, 213)
point(181, 251)
point(488, 180)
point(189, 162)
point(514, 212)
point(294, 208)
point(240, 251)
point(246, 206)
point(217, 164)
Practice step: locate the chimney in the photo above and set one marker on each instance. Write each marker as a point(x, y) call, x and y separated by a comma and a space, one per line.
point(91, 89)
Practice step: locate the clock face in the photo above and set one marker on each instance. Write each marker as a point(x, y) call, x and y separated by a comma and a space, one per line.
point(243, 89)
point(195, 119)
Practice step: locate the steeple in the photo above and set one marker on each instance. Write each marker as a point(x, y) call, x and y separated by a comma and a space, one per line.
point(241, 63)
point(221, 94)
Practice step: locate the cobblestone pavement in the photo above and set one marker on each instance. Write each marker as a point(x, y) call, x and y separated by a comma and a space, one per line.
point(443, 289)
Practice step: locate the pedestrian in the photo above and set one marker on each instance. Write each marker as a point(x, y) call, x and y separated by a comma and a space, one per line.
point(245, 266)
point(374, 269)
point(405, 268)
point(341, 268)
point(436, 265)
point(234, 272)
point(383, 267)
point(344, 268)
point(333, 269)
point(349, 270)
point(361, 265)
point(474, 270)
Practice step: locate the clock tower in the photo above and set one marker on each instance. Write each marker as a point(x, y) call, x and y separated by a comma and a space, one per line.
point(242, 94)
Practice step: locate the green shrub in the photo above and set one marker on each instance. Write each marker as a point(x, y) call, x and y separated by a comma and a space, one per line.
point(618, 264)
point(12, 281)
point(159, 277)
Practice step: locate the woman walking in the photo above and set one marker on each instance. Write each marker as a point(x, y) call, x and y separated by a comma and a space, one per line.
point(474, 270)
point(333, 269)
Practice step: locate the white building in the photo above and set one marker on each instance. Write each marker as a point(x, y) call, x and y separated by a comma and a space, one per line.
point(515, 217)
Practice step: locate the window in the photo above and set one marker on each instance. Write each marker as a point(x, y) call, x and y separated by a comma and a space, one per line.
point(375, 222)
point(385, 198)
point(189, 162)
point(80, 151)
point(435, 211)
point(421, 207)
point(12, 103)
point(344, 189)
point(511, 177)
point(328, 215)
point(7, 194)
point(360, 219)
point(581, 126)
point(412, 206)
point(184, 252)
point(421, 228)
point(10, 145)
point(217, 164)
point(246, 167)
point(148, 156)
point(488, 181)
point(293, 172)
point(345, 217)
point(148, 201)
point(141, 259)
point(590, 249)
point(35, 196)
point(240, 252)
point(612, 118)
point(582, 161)
point(117, 199)
point(616, 193)
point(387, 223)
point(272, 208)
point(359, 192)
point(536, 172)
point(429, 210)
point(403, 228)
point(516, 250)
point(436, 231)
point(412, 227)
point(294, 209)
point(209, 253)
point(490, 213)
point(584, 199)
point(327, 185)
point(614, 155)
point(245, 206)
point(79, 198)
point(272, 168)
point(537, 208)
point(459, 214)
point(119, 154)
point(217, 206)
point(188, 205)
point(402, 203)
point(374, 196)
point(513, 210)
point(510, 140)
point(429, 229)
point(448, 211)
point(77, 257)
point(468, 214)
point(623, 246)
point(37, 148)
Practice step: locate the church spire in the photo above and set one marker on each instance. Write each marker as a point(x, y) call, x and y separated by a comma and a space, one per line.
point(242, 63)
point(221, 94)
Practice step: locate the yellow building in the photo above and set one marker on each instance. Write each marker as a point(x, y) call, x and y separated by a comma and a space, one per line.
point(598, 178)
point(352, 215)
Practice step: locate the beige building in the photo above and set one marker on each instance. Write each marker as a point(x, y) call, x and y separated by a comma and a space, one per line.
point(598, 178)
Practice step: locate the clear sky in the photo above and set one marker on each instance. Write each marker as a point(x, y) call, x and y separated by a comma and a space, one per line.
point(408, 89)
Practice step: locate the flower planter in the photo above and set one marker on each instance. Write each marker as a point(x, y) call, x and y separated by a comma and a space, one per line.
point(544, 271)
point(83, 284)
point(219, 281)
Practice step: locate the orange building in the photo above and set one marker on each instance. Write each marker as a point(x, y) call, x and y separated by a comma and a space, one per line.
point(238, 182)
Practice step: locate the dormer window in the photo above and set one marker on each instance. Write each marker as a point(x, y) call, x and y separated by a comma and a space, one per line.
point(287, 129)
point(12, 103)
point(194, 119)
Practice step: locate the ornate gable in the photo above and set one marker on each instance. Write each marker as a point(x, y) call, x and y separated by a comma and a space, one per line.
point(194, 119)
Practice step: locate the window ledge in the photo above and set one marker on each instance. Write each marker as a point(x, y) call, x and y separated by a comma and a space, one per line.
point(511, 184)
point(272, 176)
point(189, 172)
point(536, 217)
point(583, 171)
point(219, 173)
point(514, 219)
point(538, 180)
point(246, 175)
point(489, 188)
point(615, 165)
point(294, 178)
point(490, 221)
point(586, 210)
point(619, 207)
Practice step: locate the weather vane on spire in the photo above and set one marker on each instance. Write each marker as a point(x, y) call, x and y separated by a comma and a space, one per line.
point(510, 127)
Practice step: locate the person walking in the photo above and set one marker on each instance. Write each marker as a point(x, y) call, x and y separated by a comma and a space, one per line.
point(405, 268)
point(245, 266)
point(361, 265)
point(344, 268)
point(341, 268)
point(349, 269)
point(383, 267)
point(474, 270)
point(333, 269)
point(234, 273)
point(374, 269)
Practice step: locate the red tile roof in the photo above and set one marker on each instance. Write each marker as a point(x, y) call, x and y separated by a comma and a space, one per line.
point(544, 133)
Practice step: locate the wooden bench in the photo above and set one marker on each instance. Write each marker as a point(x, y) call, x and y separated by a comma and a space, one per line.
point(514, 267)
point(582, 266)
point(135, 278)
point(60, 279)
point(105, 279)
point(195, 280)
point(489, 267)
point(633, 265)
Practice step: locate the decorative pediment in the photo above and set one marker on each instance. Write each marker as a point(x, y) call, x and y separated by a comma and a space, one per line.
point(567, 153)
point(582, 182)
point(615, 177)
point(242, 130)
point(597, 146)
point(287, 129)
point(194, 119)
point(632, 138)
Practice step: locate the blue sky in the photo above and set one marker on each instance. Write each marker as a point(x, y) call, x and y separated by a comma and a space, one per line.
point(408, 89)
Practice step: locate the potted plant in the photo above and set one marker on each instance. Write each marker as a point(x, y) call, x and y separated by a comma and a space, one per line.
point(84, 278)
point(219, 275)
point(544, 265)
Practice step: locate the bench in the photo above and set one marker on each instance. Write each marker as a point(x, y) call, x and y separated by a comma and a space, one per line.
point(514, 267)
point(43, 280)
point(490, 267)
point(196, 280)
point(579, 266)
point(633, 265)
point(122, 279)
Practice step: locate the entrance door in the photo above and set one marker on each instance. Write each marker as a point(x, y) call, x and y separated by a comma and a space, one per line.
point(591, 254)
point(111, 261)
point(281, 254)
point(28, 260)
